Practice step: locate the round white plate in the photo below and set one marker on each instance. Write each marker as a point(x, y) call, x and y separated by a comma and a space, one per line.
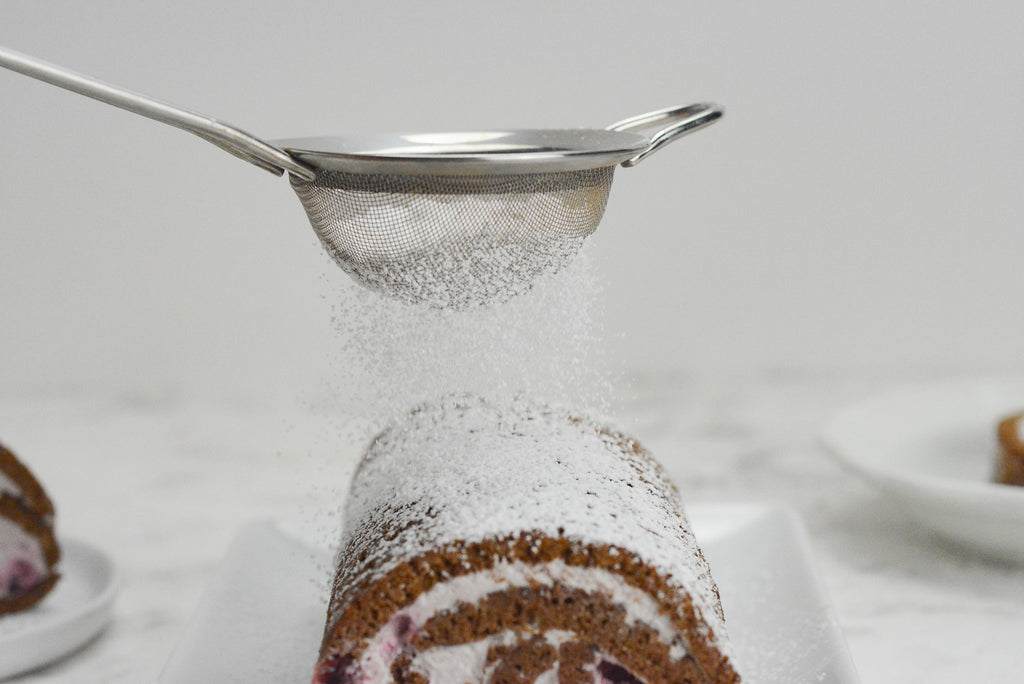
point(932, 448)
point(73, 613)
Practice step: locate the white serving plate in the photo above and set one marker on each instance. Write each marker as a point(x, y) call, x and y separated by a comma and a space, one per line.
point(68, 617)
point(261, 618)
point(931, 448)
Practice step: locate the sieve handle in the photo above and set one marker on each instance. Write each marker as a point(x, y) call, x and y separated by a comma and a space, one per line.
point(683, 121)
point(223, 135)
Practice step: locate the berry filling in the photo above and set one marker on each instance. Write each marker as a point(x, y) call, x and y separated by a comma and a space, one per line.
point(19, 576)
point(612, 673)
point(337, 670)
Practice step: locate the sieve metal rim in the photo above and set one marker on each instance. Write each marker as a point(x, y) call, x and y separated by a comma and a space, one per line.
point(503, 152)
point(494, 152)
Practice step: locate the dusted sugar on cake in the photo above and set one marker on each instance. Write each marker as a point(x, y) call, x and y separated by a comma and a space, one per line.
point(1010, 456)
point(28, 549)
point(517, 544)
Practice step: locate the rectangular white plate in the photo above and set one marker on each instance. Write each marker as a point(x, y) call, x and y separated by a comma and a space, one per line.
point(261, 618)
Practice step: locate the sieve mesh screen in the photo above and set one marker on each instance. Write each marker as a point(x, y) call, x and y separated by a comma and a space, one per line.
point(453, 241)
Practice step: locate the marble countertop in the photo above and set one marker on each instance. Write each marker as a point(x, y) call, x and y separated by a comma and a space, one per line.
point(163, 481)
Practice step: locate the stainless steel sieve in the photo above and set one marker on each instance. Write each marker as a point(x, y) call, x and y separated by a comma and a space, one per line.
point(448, 219)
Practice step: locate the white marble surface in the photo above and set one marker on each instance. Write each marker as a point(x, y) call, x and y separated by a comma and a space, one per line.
point(163, 480)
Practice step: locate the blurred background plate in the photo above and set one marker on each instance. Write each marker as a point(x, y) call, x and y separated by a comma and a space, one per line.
point(77, 609)
point(932, 448)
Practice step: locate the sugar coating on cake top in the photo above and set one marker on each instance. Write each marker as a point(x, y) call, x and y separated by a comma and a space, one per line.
point(480, 471)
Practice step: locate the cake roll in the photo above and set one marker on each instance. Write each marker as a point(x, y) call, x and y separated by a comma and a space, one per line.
point(517, 543)
point(1010, 455)
point(29, 553)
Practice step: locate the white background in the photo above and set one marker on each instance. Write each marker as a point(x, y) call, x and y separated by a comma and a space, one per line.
point(860, 206)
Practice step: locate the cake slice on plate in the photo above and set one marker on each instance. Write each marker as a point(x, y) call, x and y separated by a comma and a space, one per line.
point(28, 549)
point(1010, 457)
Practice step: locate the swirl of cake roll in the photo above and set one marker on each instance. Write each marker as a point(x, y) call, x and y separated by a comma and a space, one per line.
point(1010, 456)
point(28, 549)
point(517, 543)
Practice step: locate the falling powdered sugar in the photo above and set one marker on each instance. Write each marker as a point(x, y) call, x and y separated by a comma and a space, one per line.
point(476, 452)
point(544, 343)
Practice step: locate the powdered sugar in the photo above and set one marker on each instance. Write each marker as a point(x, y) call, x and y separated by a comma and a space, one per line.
point(479, 470)
point(480, 271)
point(545, 343)
point(475, 452)
point(453, 241)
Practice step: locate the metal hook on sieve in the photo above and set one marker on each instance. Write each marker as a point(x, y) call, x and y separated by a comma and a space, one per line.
point(684, 120)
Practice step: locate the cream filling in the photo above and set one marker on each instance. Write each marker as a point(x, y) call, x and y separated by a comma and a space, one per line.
point(388, 643)
point(9, 486)
point(549, 677)
point(21, 559)
point(455, 664)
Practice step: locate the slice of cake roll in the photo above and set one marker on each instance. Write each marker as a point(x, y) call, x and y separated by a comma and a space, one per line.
point(517, 544)
point(28, 549)
point(1010, 455)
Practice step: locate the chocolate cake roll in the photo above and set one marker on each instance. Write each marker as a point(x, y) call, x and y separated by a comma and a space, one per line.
point(1010, 456)
point(28, 549)
point(517, 544)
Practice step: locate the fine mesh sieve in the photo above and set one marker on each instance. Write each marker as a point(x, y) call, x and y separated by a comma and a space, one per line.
point(448, 219)
point(453, 241)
